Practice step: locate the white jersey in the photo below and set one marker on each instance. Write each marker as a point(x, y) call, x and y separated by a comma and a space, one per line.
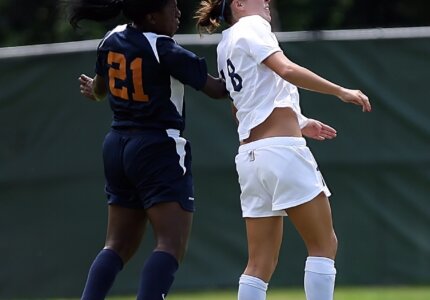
point(255, 89)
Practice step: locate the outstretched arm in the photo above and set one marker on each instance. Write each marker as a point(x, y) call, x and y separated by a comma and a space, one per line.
point(306, 79)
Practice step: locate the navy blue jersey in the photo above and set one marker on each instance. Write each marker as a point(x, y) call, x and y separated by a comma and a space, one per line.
point(145, 74)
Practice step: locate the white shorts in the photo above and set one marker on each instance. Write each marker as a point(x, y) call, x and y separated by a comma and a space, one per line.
point(275, 174)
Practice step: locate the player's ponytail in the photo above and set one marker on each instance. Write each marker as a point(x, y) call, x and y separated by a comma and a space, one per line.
point(103, 10)
point(95, 10)
point(211, 13)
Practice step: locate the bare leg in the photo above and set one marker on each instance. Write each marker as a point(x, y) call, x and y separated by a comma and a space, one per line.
point(172, 227)
point(314, 222)
point(124, 233)
point(125, 230)
point(264, 241)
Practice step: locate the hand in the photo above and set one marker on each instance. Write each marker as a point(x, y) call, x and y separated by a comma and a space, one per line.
point(317, 130)
point(355, 97)
point(86, 86)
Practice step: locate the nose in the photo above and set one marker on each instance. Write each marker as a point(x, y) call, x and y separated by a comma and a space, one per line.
point(178, 13)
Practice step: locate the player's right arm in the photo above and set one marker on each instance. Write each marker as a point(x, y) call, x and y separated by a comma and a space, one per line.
point(92, 88)
point(99, 88)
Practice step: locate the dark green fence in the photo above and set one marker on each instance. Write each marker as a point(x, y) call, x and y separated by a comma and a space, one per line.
point(52, 205)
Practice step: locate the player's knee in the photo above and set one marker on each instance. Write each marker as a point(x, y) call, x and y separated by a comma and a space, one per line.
point(262, 267)
point(326, 247)
point(176, 247)
point(125, 250)
point(333, 244)
point(329, 247)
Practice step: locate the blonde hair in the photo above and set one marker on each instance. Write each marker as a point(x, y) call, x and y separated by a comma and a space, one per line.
point(211, 13)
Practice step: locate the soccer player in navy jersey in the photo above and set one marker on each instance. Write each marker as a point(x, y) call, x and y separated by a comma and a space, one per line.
point(147, 163)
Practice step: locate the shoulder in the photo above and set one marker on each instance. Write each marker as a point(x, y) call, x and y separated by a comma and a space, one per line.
point(163, 43)
point(164, 47)
point(169, 47)
point(258, 39)
point(251, 30)
point(167, 42)
point(156, 38)
point(117, 29)
point(254, 22)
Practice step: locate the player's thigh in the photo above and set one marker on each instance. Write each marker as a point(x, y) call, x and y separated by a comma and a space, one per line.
point(313, 221)
point(264, 237)
point(172, 226)
point(125, 230)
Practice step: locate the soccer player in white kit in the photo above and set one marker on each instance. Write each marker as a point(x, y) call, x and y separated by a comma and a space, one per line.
point(278, 174)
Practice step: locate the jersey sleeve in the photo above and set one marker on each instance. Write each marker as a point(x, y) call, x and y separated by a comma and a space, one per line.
point(99, 67)
point(258, 38)
point(182, 64)
point(303, 120)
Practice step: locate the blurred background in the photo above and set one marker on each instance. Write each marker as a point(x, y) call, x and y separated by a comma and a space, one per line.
point(52, 204)
point(25, 22)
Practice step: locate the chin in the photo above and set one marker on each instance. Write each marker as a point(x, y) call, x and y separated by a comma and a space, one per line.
point(171, 33)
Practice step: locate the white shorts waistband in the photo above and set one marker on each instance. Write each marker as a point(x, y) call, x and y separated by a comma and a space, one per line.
point(271, 141)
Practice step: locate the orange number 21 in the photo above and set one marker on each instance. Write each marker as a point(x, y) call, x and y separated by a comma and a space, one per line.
point(119, 73)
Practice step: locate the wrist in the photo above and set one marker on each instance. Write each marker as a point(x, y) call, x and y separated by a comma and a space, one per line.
point(338, 91)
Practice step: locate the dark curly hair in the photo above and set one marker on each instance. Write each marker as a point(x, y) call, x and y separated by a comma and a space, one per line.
point(103, 10)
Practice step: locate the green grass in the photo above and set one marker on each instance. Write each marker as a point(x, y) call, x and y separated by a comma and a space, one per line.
point(342, 293)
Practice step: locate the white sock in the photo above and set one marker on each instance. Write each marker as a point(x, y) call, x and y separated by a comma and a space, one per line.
point(251, 288)
point(320, 275)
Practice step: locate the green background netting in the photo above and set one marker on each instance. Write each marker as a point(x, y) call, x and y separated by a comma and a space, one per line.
point(52, 204)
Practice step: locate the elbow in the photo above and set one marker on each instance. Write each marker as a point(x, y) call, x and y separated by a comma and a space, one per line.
point(287, 72)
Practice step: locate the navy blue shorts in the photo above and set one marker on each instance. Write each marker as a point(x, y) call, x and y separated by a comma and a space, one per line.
point(146, 167)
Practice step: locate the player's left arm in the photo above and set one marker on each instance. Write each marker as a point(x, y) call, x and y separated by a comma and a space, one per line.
point(317, 130)
point(215, 88)
point(189, 68)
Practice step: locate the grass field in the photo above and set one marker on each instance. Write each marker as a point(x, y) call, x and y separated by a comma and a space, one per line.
point(342, 293)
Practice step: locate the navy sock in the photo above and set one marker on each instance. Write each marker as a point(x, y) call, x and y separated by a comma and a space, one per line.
point(102, 274)
point(157, 276)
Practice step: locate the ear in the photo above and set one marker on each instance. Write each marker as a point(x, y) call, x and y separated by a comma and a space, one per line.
point(238, 4)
